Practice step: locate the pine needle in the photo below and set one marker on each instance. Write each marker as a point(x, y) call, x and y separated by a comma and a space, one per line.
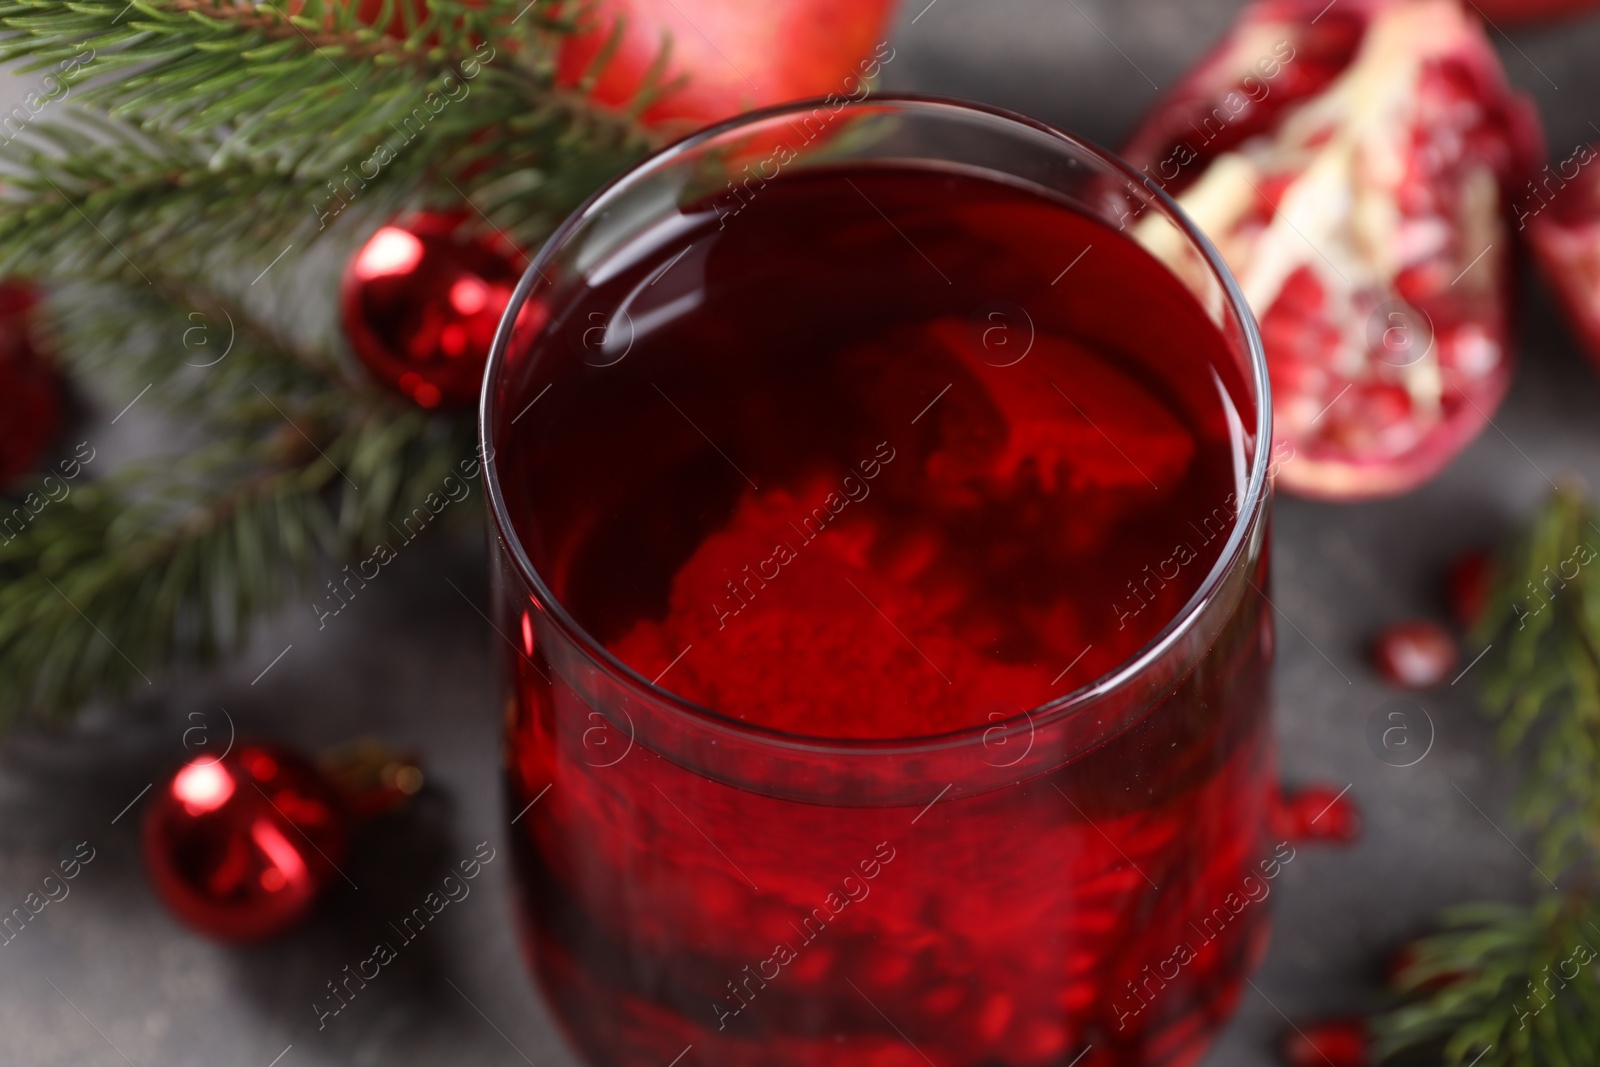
point(1504, 985)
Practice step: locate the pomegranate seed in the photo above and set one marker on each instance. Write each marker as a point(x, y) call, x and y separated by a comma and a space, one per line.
point(1415, 655)
point(1403, 959)
point(1340, 1042)
point(1398, 963)
point(1467, 586)
point(1316, 813)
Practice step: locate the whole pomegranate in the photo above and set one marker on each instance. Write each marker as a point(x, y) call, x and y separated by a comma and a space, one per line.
point(725, 56)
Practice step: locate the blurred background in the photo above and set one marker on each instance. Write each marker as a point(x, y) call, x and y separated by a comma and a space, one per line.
point(107, 976)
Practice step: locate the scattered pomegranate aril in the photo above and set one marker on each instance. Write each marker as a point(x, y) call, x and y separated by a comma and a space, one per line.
point(1415, 655)
point(1468, 585)
point(1316, 813)
point(1404, 959)
point(1399, 962)
point(1354, 166)
point(1337, 1042)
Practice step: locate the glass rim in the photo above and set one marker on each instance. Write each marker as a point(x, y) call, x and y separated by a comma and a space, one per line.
point(1051, 711)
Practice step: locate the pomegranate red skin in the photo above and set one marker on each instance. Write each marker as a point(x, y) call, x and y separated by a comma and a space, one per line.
point(1337, 1042)
point(1282, 56)
point(1559, 213)
point(1415, 655)
point(733, 54)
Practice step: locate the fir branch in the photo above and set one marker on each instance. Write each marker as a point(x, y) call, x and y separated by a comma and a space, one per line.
point(1543, 681)
point(202, 135)
point(311, 87)
point(1506, 986)
point(106, 585)
point(136, 207)
point(204, 354)
point(87, 613)
point(212, 65)
point(212, 141)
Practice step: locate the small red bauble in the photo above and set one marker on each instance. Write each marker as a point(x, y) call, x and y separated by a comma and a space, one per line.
point(421, 301)
point(1415, 655)
point(241, 847)
point(30, 397)
point(1469, 585)
point(1337, 1043)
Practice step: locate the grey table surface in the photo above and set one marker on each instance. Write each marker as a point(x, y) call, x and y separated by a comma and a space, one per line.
point(107, 977)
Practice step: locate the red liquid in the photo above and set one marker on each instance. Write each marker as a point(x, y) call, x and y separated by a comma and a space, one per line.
point(984, 481)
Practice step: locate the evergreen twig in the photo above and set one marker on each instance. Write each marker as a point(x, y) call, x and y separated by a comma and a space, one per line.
point(115, 579)
point(172, 147)
point(1506, 985)
point(197, 125)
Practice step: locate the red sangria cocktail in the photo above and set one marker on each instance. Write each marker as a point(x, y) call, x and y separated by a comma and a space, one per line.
point(880, 508)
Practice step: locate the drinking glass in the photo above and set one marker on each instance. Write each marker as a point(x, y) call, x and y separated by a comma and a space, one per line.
point(1078, 882)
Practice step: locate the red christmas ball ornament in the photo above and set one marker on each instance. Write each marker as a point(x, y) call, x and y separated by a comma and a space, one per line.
point(30, 394)
point(732, 55)
point(241, 847)
point(1336, 1043)
point(421, 301)
point(1415, 655)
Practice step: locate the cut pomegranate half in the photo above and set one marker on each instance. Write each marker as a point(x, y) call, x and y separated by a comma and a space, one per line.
point(1354, 165)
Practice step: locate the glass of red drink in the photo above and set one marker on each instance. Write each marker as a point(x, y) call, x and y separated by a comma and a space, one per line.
point(879, 494)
